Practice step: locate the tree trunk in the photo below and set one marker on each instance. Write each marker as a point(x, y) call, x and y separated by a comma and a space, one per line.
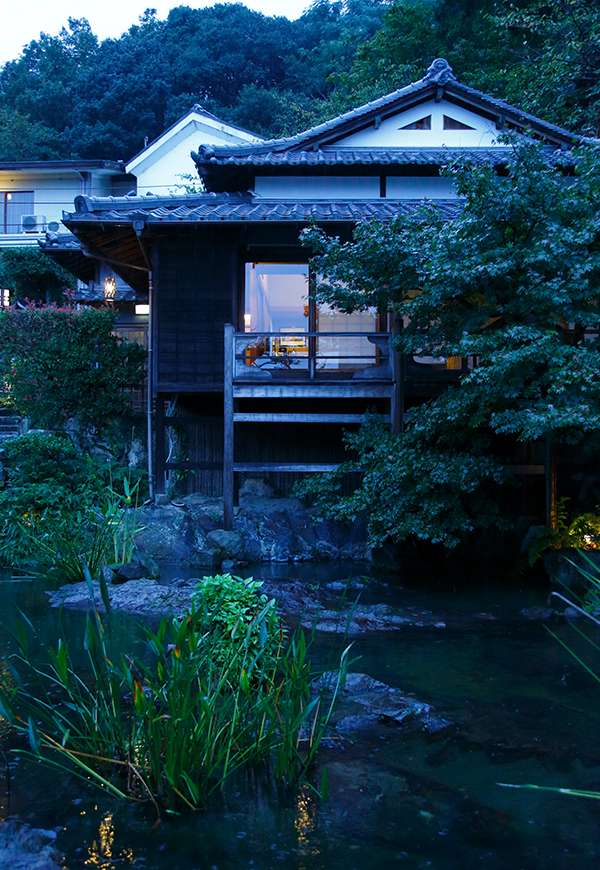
point(550, 476)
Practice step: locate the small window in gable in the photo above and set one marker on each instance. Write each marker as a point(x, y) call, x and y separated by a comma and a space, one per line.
point(421, 124)
point(453, 124)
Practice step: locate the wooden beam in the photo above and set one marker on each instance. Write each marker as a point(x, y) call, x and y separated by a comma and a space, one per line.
point(259, 417)
point(305, 468)
point(98, 255)
point(272, 390)
point(228, 429)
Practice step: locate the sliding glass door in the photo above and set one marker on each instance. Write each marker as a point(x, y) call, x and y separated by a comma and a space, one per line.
point(287, 328)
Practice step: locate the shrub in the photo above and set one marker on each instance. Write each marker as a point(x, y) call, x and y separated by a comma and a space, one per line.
point(231, 606)
point(63, 365)
point(60, 509)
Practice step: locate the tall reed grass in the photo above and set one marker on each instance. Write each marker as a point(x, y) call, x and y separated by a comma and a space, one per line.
point(174, 724)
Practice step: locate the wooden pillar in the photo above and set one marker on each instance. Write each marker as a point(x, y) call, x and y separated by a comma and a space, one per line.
point(160, 446)
point(551, 483)
point(397, 367)
point(228, 433)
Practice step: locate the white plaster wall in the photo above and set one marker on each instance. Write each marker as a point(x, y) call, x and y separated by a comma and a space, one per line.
point(317, 187)
point(388, 134)
point(160, 172)
point(410, 187)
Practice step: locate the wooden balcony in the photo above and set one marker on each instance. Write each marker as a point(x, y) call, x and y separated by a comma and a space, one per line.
point(298, 366)
point(291, 365)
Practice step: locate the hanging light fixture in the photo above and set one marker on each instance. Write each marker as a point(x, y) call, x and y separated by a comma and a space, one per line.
point(110, 288)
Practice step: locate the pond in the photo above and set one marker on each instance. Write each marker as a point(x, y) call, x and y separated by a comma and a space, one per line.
point(522, 712)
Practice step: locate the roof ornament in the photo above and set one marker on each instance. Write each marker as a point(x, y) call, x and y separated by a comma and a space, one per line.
point(440, 71)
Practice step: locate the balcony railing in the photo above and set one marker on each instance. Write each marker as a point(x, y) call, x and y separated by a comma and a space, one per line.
point(296, 356)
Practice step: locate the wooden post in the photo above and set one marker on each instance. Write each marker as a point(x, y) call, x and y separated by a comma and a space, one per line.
point(150, 367)
point(396, 363)
point(160, 447)
point(228, 433)
point(551, 483)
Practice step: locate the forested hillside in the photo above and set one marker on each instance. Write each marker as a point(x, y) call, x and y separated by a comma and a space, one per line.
point(73, 95)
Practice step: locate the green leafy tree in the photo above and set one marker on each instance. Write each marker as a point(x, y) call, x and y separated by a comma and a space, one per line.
point(511, 285)
point(29, 274)
point(561, 42)
point(63, 365)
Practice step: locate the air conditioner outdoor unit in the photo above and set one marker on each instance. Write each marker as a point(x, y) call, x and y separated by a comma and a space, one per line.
point(53, 226)
point(33, 223)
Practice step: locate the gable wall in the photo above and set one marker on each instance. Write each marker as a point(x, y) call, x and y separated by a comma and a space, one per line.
point(389, 135)
point(160, 172)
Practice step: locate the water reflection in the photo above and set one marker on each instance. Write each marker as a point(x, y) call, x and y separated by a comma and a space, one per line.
point(305, 821)
point(100, 852)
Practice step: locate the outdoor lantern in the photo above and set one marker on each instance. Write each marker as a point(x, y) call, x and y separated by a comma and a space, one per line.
point(110, 288)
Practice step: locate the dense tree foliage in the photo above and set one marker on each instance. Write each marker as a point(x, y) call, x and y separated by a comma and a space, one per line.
point(511, 285)
point(73, 95)
point(65, 366)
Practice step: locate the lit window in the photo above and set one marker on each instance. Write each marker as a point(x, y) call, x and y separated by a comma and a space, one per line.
point(14, 206)
point(421, 124)
point(4, 298)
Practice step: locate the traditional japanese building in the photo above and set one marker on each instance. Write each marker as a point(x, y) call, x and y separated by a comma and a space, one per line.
point(249, 374)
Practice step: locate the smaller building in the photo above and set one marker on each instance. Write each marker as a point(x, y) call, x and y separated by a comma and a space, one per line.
point(164, 166)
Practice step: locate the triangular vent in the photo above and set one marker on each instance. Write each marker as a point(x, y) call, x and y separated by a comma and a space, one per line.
point(421, 124)
point(453, 124)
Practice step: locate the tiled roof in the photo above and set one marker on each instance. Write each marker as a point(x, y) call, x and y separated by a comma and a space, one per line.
point(370, 157)
point(439, 76)
point(245, 208)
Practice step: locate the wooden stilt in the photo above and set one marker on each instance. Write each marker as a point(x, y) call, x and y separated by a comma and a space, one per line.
point(551, 482)
point(228, 432)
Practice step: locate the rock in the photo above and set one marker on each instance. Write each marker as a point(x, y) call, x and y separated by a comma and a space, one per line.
point(537, 614)
point(362, 619)
point(133, 570)
point(229, 544)
point(165, 535)
point(138, 597)
point(25, 848)
point(365, 703)
point(254, 487)
point(228, 566)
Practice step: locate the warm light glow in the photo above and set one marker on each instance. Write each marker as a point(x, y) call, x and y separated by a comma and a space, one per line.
point(247, 322)
point(110, 288)
point(9, 195)
point(142, 309)
point(4, 298)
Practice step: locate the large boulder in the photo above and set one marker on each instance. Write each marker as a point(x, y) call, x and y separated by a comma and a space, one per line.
point(25, 848)
point(230, 545)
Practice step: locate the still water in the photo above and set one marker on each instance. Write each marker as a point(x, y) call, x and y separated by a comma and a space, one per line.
point(523, 713)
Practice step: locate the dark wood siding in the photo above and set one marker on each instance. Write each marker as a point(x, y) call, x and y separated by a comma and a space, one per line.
point(195, 284)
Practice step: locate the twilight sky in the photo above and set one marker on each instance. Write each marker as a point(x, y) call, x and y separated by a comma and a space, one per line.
point(20, 22)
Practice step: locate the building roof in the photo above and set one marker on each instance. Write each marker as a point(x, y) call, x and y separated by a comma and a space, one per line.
point(243, 208)
point(116, 166)
point(438, 81)
point(195, 116)
point(374, 157)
